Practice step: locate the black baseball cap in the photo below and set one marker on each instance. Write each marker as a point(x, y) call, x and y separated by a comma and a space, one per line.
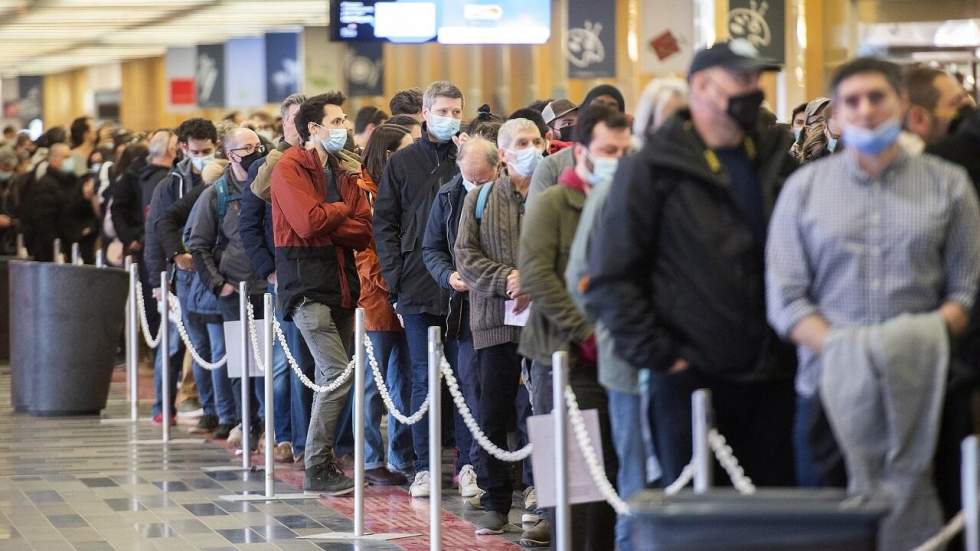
point(737, 54)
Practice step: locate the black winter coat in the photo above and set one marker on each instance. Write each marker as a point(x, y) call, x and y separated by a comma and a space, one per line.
point(411, 180)
point(674, 269)
point(172, 187)
point(131, 194)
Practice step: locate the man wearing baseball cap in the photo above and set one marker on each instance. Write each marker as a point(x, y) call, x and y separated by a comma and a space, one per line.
point(676, 268)
point(560, 116)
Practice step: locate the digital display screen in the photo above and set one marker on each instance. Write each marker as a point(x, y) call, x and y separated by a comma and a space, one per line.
point(451, 21)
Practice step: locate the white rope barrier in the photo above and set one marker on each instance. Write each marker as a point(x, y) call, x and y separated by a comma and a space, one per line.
point(337, 383)
point(945, 534)
point(179, 322)
point(591, 459)
point(472, 425)
point(728, 462)
point(253, 336)
point(685, 478)
point(386, 396)
point(147, 334)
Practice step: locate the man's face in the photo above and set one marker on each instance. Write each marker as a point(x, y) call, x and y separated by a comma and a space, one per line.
point(865, 100)
point(444, 107)
point(713, 88)
point(530, 138)
point(244, 144)
point(57, 155)
point(197, 149)
point(289, 132)
point(475, 168)
point(333, 117)
point(933, 126)
point(416, 130)
point(607, 143)
point(799, 120)
point(567, 120)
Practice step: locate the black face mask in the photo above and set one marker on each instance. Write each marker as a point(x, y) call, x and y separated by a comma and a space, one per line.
point(247, 160)
point(963, 114)
point(565, 133)
point(744, 109)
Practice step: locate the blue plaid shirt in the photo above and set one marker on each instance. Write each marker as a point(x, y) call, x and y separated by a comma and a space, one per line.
point(860, 250)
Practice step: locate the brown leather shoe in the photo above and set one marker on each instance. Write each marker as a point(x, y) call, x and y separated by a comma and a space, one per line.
point(383, 477)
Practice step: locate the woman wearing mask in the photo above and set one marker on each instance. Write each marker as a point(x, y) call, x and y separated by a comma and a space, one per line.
point(821, 135)
point(486, 256)
point(384, 330)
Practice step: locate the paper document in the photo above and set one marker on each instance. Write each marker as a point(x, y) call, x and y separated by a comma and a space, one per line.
point(233, 348)
point(517, 320)
point(581, 488)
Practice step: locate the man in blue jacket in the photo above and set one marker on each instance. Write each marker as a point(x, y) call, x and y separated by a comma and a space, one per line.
point(477, 160)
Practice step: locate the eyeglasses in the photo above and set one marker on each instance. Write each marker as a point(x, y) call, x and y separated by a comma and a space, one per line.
point(248, 149)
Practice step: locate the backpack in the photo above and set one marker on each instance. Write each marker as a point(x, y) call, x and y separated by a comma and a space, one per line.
point(222, 198)
point(481, 200)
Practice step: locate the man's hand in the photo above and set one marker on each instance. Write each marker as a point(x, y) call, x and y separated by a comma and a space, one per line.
point(956, 318)
point(272, 278)
point(88, 189)
point(184, 262)
point(811, 332)
point(513, 284)
point(135, 246)
point(5, 221)
point(680, 364)
point(523, 301)
point(457, 282)
point(227, 290)
point(156, 293)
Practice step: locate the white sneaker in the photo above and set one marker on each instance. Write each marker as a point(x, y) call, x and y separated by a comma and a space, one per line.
point(420, 486)
point(467, 482)
point(235, 436)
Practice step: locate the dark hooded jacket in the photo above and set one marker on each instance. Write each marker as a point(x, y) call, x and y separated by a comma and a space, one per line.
point(675, 270)
point(131, 194)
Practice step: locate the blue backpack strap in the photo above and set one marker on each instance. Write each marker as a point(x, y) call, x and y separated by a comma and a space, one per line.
point(221, 193)
point(481, 200)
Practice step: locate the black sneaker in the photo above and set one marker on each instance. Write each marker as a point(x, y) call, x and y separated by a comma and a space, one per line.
point(538, 535)
point(327, 478)
point(206, 423)
point(491, 523)
point(221, 432)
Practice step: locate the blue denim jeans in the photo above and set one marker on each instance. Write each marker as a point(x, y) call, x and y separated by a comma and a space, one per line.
point(301, 397)
point(626, 417)
point(464, 368)
point(417, 335)
point(224, 395)
point(391, 352)
point(280, 387)
point(176, 351)
point(197, 332)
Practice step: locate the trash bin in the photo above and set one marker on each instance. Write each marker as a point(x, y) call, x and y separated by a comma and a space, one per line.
point(788, 519)
point(65, 325)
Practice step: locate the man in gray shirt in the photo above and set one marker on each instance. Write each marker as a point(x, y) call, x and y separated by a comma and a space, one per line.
point(861, 238)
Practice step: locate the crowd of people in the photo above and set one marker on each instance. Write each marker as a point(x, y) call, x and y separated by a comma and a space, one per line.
point(818, 276)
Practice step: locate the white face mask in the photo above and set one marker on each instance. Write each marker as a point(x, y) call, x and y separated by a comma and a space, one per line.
point(603, 170)
point(468, 185)
point(200, 162)
point(524, 160)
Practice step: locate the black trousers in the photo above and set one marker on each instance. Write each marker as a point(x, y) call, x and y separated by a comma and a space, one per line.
point(593, 524)
point(756, 418)
point(499, 372)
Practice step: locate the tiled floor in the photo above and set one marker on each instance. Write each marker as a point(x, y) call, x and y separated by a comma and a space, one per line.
point(77, 483)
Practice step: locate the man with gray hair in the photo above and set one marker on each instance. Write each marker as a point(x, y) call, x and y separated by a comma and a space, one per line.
point(409, 185)
point(478, 163)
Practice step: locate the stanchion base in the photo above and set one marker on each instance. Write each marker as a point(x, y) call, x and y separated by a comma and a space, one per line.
point(123, 421)
point(349, 536)
point(172, 441)
point(231, 469)
point(263, 497)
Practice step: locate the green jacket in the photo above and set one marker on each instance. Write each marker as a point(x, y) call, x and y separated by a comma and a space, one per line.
point(555, 322)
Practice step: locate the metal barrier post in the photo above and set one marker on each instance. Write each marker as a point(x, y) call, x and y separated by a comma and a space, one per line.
point(76, 254)
point(435, 441)
point(359, 422)
point(246, 381)
point(132, 340)
point(164, 351)
point(969, 475)
point(58, 257)
point(700, 425)
point(21, 249)
point(270, 430)
point(99, 258)
point(559, 380)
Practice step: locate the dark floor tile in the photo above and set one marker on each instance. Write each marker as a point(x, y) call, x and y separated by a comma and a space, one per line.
point(225, 476)
point(204, 509)
point(241, 535)
point(67, 521)
point(298, 521)
point(172, 486)
point(156, 530)
point(274, 532)
point(203, 484)
point(155, 501)
point(338, 524)
point(124, 504)
point(239, 507)
point(99, 482)
point(45, 496)
point(25, 478)
point(360, 546)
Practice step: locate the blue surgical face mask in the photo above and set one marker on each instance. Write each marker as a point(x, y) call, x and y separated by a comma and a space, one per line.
point(442, 128)
point(468, 185)
point(68, 166)
point(524, 160)
point(603, 170)
point(335, 142)
point(797, 132)
point(5, 175)
point(872, 141)
point(200, 162)
point(831, 144)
